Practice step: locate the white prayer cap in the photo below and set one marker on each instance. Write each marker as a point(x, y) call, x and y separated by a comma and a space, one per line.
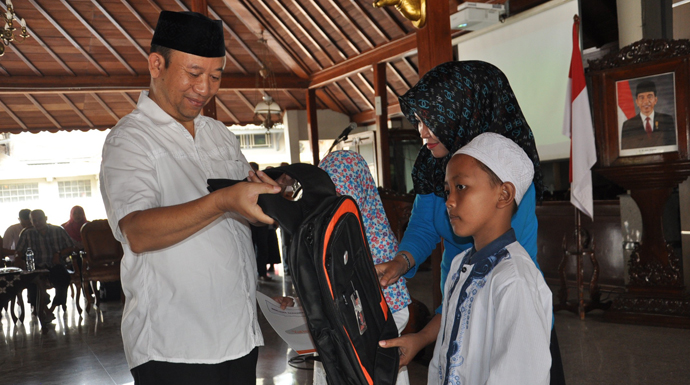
point(504, 157)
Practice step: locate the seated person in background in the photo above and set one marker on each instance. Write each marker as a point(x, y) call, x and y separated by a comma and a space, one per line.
point(77, 218)
point(351, 176)
point(496, 321)
point(51, 245)
point(11, 237)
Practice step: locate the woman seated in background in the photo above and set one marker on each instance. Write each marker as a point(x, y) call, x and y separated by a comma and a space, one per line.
point(351, 176)
point(77, 218)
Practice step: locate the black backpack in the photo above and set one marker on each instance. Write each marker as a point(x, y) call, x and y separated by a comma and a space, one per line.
point(334, 276)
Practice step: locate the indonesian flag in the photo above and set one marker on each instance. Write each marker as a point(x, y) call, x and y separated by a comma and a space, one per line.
point(578, 127)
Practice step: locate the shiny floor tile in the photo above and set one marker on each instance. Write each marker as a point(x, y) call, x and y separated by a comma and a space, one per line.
point(87, 348)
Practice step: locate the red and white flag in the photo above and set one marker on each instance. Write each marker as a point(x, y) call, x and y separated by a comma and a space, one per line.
point(578, 127)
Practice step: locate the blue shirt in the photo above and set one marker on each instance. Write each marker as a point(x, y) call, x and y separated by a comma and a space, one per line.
point(429, 223)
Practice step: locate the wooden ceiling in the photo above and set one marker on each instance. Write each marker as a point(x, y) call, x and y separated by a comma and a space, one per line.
point(85, 63)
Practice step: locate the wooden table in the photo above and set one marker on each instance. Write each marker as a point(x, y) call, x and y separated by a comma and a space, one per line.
point(11, 284)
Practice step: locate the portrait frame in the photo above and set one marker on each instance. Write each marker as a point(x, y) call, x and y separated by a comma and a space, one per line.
point(633, 138)
point(608, 122)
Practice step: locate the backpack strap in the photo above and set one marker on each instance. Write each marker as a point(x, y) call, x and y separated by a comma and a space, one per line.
point(316, 186)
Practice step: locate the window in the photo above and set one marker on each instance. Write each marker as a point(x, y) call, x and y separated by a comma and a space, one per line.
point(18, 192)
point(255, 140)
point(75, 189)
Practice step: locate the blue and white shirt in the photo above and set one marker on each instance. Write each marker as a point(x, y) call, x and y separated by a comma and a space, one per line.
point(496, 320)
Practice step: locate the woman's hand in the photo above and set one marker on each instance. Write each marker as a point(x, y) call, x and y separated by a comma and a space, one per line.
point(389, 272)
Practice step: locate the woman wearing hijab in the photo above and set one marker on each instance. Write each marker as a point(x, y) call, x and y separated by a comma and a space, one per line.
point(450, 105)
point(351, 176)
point(77, 218)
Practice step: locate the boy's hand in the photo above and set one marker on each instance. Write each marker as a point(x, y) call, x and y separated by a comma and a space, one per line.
point(408, 345)
point(285, 302)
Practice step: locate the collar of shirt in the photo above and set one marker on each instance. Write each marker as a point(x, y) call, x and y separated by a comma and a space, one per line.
point(492, 248)
point(151, 109)
point(651, 119)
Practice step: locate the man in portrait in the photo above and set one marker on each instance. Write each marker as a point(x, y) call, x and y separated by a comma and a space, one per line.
point(648, 128)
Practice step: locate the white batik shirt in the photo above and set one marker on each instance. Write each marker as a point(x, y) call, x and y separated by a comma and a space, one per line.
point(496, 324)
point(193, 302)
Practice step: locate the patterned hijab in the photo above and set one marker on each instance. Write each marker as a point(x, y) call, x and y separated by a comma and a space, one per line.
point(351, 176)
point(459, 100)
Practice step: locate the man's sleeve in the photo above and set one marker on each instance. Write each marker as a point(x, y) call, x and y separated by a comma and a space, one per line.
point(128, 180)
point(65, 240)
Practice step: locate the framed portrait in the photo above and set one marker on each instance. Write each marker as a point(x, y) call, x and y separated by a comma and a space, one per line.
point(640, 111)
point(647, 115)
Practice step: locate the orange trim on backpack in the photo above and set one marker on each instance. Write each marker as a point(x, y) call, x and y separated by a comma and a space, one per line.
point(366, 374)
point(349, 207)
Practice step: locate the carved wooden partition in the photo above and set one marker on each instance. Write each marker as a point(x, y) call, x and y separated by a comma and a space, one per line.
point(656, 293)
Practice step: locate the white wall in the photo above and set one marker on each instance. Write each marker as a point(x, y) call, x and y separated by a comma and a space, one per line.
point(534, 53)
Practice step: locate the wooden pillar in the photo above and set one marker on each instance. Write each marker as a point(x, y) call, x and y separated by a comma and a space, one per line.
point(433, 41)
point(381, 105)
point(313, 125)
point(201, 7)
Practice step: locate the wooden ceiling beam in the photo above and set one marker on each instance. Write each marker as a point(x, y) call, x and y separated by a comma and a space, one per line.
point(399, 75)
point(138, 16)
point(25, 60)
point(76, 110)
point(119, 28)
point(80, 84)
point(252, 22)
point(234, 35)
point(68, 37)
point(105, 106)
point(4, 71)
point(99, 37)
point(339, 88)
point(349, 18)
point(335, 26)
point(319, 29)
point(384, 52)
point(129, 99)
point(44, 46)
point(288, 31)
point(359, 92)
point(12, 115)
point(329, 100)
point(388, 14)
point(294, 99)
point(367, 16)
point(227, 110)
point(369, 116)
point(306, 33)
point(44, 111)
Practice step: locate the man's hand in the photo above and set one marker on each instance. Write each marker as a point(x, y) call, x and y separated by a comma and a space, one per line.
point(242, 198)
point(389, 272)
point(285, 302)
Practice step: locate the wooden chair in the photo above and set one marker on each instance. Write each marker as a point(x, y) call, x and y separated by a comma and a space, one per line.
point(101, 260)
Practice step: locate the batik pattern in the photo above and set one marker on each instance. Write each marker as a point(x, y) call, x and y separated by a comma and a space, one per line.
point(351, 176)
point(458, 101)
point(463, 310)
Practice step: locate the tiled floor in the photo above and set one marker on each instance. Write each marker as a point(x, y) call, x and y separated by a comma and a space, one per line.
point(88, 349)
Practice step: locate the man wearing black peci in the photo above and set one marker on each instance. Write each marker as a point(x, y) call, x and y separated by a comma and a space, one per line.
point(648, 128)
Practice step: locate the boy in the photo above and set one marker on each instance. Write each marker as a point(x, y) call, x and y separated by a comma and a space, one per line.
point(496, 321)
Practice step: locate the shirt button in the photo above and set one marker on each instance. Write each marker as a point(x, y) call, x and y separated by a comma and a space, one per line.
point(464, 269)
